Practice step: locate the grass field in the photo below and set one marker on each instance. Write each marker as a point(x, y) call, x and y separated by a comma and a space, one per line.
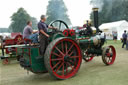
point(92, 73)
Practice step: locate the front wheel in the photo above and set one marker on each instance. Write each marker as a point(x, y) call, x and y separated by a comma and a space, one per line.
point(109, 55)
point(63, 58)
point(88, 57)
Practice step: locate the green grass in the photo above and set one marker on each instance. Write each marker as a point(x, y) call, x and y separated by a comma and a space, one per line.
point(91, 73)
point(111, 42)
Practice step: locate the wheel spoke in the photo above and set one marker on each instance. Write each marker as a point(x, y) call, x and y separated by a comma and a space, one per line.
point(52, 25)
point(56, 64)
point(56, 54)
point(70, 48)
point(63, 70)
point(71, 53)
point(62, 45)
point(66, 47)
point(58, 59)
point(110, 59)
point(59, 67)
point(70, 65)
point(60, 25)
point(59, 50)
point(71, 61)
point(66, 68)
point(74, 57)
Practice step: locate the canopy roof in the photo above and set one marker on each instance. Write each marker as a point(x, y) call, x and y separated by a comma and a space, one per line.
point(122, 23)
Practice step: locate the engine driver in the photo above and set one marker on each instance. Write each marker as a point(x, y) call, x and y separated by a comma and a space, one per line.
point(89, 29)
point(43, 36)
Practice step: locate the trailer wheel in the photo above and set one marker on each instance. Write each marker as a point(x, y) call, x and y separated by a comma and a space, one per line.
point(5, 61)
point(109, 55)
point(63, 58)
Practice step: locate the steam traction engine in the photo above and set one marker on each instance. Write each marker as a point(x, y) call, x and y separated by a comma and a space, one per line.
point(65, 51)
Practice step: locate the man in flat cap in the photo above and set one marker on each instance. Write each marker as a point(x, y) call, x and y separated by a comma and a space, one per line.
point(43, 36)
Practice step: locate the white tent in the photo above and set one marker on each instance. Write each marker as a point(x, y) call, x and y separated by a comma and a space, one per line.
point(118, 26)
point(5, 35)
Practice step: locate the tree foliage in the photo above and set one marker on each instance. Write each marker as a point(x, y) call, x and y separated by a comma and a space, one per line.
point(56, 9)
point(4, 30)
point(34, 23)
point(19, 20)
point(111, 10)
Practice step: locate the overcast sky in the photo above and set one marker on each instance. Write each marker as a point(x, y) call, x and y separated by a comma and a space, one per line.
point(78, 10)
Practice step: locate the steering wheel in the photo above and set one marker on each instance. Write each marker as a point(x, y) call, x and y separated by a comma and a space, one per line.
point(60, 25)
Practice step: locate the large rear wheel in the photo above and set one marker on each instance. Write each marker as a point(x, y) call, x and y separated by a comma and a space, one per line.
point(63, 58)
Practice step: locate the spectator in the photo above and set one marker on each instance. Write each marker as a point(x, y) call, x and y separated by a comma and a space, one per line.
point(115, 36)
point(124, 36)
point(127, 42)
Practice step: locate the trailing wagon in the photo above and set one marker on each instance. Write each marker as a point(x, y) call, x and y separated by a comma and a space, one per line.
point(10, 52)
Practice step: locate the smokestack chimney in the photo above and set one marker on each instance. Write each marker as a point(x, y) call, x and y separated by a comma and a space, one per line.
point(95, 13)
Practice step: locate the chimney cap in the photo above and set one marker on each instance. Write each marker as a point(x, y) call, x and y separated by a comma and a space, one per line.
point(95, 9)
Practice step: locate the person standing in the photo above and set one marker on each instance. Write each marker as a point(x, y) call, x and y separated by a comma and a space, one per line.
point(43, 36)
point(124, 36)
point(127, 42)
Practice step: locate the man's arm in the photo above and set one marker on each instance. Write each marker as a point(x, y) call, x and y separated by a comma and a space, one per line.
point(44, 33)
point(50, 27)
point(34, 32)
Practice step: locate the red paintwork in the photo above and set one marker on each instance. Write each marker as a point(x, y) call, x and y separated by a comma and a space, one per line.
point(72, 32)
point(18, 38)
point(15, 38)
point(66, 32)
point(73, 62)
point(69, 32)
point(23, 41)
point(5, 61)
point(88, 59)
point(13, 35)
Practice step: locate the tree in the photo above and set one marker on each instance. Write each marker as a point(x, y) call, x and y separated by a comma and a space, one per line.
point(56, 9)
point(111, 10)
point(19, 20)
point(4, 30)
point(34, 23)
